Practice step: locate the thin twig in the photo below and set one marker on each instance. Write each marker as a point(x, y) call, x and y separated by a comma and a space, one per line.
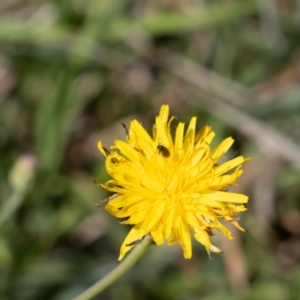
point(265, 136)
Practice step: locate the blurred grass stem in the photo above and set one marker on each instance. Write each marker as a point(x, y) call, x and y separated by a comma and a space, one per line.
point(228, 105)
point(10, 206)
point(20, 177)
point(116, 273)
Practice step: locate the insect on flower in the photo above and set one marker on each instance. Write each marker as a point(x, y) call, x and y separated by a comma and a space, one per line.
point(138, 241)
point(163, 150)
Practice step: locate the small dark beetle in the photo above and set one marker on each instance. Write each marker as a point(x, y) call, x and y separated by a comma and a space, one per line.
point(163, 150)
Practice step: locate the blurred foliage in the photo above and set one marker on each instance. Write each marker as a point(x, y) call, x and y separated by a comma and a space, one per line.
point(72, 71)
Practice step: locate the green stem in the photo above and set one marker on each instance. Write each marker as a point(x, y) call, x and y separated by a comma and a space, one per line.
point(116, 273)
point(10, 206)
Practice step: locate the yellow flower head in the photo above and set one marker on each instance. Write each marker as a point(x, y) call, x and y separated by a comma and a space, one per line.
point(172, 188)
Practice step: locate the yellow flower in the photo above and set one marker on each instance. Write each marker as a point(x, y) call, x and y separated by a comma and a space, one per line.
point(172, 188)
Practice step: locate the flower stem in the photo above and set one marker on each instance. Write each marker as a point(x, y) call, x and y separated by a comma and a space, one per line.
point(116, 273)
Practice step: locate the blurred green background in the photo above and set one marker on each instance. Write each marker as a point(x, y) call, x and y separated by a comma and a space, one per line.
point(72, 71)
